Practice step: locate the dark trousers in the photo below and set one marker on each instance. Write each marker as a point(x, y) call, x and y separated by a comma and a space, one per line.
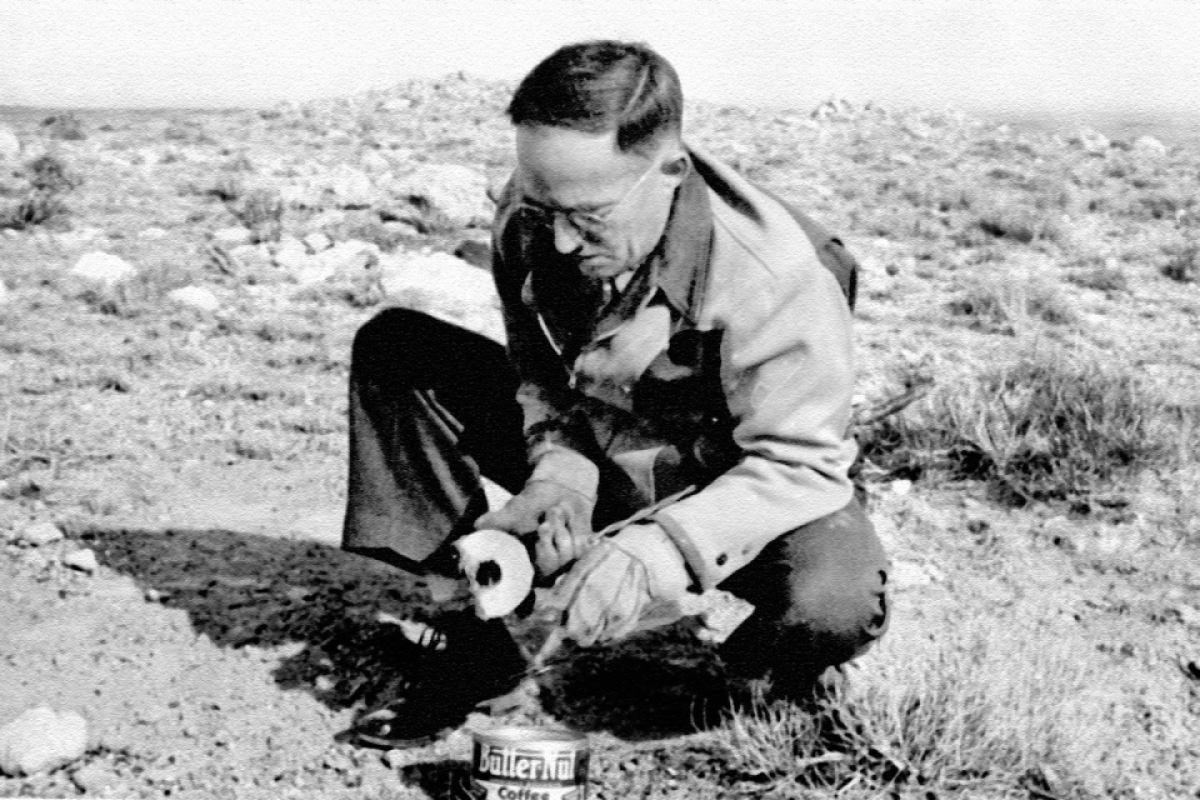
point(433, 407)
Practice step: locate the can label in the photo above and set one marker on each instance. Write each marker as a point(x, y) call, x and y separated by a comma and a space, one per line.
point(530, 764)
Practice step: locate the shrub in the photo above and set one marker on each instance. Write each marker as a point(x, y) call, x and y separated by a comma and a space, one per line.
point(1051, 425)
point(1183, 263)
point(51, 174)
point(64, 126)
point(1008, 709)
point(36, 208)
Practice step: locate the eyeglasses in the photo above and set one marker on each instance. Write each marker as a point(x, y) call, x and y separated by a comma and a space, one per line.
point(590, 224)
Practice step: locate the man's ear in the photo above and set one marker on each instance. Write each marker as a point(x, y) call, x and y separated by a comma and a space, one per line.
point(677, 165)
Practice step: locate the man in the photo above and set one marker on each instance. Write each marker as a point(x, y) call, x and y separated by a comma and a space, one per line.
point(673, 331)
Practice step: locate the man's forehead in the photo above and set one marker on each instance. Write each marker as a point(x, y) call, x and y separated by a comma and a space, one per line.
point(552, 159)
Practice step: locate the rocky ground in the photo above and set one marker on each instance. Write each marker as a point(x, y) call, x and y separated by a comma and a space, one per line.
point(175, 346)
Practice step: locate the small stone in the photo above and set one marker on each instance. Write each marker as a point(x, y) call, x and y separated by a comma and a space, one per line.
point(902, 486)
point(232, 236)
point(40, 740)
point(153, 232)
point(83, 560)
point(41, 533)
point(197, 297)
point(103, 268)
point(318, 241)
point(95, 779)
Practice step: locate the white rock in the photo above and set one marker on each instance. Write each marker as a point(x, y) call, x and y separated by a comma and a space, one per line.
point(41, 533)
point(316, 242)
point(291, 254)
point(1149, 146)
point(197, 297)
point(41, 739)
point(312, 271)
point(902, 486)
point(452, 191)
point(231, 236)
point(1092, 141)
point(153, 232)
point(348, 258)
point(444, 287)
point(350, 187)
point(10, 146)
point(103, 268)
point(83, 560)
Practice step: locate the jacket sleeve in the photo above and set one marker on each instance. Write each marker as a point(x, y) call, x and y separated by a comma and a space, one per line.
point(556, 434)
point(787, 373)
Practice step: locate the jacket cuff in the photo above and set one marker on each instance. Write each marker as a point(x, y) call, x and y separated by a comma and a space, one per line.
point(559, 465)
point(705, 568)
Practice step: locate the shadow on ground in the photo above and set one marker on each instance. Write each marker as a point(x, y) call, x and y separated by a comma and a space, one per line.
point(244, 590)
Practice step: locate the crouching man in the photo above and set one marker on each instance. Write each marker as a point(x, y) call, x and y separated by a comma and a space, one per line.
point(669, 325)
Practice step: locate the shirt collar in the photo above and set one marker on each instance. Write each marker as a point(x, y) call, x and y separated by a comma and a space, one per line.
point(680, 265)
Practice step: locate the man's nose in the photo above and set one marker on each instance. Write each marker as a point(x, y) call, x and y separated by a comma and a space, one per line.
point(566, 239)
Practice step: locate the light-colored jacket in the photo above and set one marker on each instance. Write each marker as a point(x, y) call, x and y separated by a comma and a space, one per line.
point(727, 363)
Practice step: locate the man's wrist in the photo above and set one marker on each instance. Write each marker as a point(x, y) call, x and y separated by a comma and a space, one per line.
point(565, 467)
point(667, 571)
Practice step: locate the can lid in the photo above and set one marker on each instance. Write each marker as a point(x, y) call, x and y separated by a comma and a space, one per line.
point(525, 734)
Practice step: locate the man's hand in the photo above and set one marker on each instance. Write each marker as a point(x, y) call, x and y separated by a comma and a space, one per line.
point(561, 517)
point(607, 593)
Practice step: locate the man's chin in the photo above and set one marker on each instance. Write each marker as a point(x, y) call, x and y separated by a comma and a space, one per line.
point(600, 268)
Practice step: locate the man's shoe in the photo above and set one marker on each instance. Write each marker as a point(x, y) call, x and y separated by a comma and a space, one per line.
point(466, 662)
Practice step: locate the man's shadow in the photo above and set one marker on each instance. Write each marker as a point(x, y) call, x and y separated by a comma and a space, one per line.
point(324, 606)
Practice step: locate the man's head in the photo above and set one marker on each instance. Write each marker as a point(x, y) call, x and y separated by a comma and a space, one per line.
point(599, 153)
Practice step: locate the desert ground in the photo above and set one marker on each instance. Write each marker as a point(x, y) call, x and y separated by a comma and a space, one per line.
point(179, 291)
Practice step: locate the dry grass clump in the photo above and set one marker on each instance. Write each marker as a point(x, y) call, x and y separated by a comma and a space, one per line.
point(35, 208)
point(261, 211)
point(46, 178)
point(1183, 263)
point(997, 710)
point(1005, 302)
point(1053, 424)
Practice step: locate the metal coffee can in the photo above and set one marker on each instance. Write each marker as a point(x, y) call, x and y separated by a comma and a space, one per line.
point(529, 763)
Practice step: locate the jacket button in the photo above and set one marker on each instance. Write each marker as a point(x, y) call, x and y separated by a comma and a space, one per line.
point(721, 559)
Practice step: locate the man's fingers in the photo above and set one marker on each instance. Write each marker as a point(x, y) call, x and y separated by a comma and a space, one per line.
point(515, 516)
point(553, 548)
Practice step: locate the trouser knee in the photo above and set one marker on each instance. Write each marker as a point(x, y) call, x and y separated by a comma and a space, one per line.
point(820, 600)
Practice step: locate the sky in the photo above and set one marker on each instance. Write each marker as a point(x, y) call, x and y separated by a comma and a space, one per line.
point(1024, 55)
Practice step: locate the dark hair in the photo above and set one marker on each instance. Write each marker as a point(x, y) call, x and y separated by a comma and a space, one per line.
point(601, 86)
